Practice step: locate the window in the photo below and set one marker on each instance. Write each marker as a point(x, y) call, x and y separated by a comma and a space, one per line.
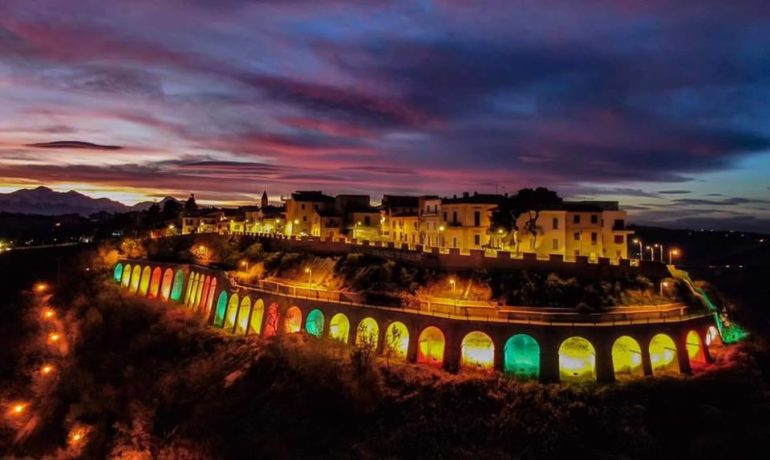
point(594, 238)
point(476, 219)
point(555, 224)
point(577, 236)
point(304, 218)
point(367, 220)
point(444, 216)
point(302, 206)
point(454, 241)
point(619, 239)
point(594, 219)
point(576, 218)
point(555, 246)
point(619, 224)
point(477, 240)
point(454, 217)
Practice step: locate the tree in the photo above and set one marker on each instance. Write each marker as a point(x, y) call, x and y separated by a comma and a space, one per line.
point(190, 206)
point(526, 200)
point(171, 209)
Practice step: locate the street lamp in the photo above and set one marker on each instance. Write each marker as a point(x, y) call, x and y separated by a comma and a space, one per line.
point(245, 264)
point(309, 277)
point(652, 254)
point(454, 284)
point(441, 236)
point(355, 229)
point(671, 254)
point(663, 284)
point(641, 252)
point(660, 246)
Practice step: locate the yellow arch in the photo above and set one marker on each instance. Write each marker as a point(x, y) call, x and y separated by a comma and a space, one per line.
point(396, 343)
point(126, 276)
point(136, 274)
point(577, 360)
point(430, 347)
point(144, 284)
point(663, 355)
point(257, 313)
point(243, 316)
point(339, 327)
point(232, 312)
point(478, 351)
point(627, 358)
point(367, 333)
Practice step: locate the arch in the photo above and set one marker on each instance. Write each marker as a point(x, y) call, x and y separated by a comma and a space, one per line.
point(176, 290)
point(196, 302)
point(367, 333)
point(695, 352)
point(257, 313)
point(136, 275)
point(232, 312)
point(117, 274)
point(577, 360)
point(339, 327)
point(204, 295)
point(210, 298)
point(168, 280)
point(242, 323)
point(396, 343)
point(713, 339)
point(187, 292)
point(627, 358)
point(430, 347)
point(314, 325)
point(292, 321)
point(273, 320)
point(522, 357)
point(144, 283)
point(477, 351)
point(663, 355)
point(219, 317)
point(154, 283)
point(126, 280)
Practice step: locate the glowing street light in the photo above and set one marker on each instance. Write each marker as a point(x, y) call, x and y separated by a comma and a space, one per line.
point(441, 236)
point(18, 409)
point(652, 254)
point(47, 369)
point(309, 277)
point(245, 264)
point(453, 282)
point(641, 251)
point(53, 337)
point(663, 285)
point(660, 246)
point(671, 254)
point(41, 287)
point(48, 313)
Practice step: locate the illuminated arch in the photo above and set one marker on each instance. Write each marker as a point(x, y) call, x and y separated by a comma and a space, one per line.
point(430, 346)
point(168, 280)
point(257, 313)
point(210, 298)
point(219, 316)
point(204, 295)
point(155, 283)
point(242, 322)
point(292, 322)
point(713, 339)
point(196, 303)
point(232, 312)
point(577, 360)
point(367, 333)
point(627, 358)
point(695, 351)
point(126, 276)
point(477, 351)
point(273, 320)
point(396, 343)
point(136, 276)
point(663, 355)
point(176, 290)
point(191, 278)
point(117, 275)
point(314, 325)
point(522, 357)
point(339, 328)
point(144, 283)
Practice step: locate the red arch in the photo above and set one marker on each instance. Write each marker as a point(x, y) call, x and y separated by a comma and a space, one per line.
point(273, 320)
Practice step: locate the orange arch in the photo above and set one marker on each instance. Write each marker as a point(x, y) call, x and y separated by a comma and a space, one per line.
point(168, 280)
point(273, 320)
point(292, 322)
point(430, 347)
point(154, 283)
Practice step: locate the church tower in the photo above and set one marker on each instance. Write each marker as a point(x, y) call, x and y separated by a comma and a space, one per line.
point(263, 203)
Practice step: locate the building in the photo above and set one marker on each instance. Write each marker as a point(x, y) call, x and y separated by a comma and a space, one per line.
point(300, 209)
point(395, 205)
point(204, 222)
point(466, 220)
point(585, 228)
point(431, 225)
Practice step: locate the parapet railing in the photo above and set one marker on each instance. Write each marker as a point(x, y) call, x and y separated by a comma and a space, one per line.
point(546, 316)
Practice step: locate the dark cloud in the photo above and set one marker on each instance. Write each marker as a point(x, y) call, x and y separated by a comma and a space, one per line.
point(74, 145)
point(674, 192)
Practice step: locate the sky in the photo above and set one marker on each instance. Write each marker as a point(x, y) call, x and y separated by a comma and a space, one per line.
point(662, 105)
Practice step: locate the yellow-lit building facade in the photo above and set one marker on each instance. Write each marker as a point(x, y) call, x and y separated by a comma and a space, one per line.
point(301, 208)
point(591, 229)
point(466, 221)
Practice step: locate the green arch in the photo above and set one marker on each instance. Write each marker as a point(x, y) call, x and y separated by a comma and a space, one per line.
point(522, 356)
point(315, 323)
point(118, 273)
point(219, 316)
point(176, 289)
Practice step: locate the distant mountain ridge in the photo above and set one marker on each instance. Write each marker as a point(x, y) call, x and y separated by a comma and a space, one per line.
point(44, 201)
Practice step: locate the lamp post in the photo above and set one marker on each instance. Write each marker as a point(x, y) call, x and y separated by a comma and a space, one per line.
point(663, 284)
point(453, 282)
point(652, 254)
point(309, 278)
point(355, 230)
point(671, 254)
point(641, 251)
point(441, 236)
point(660, 246)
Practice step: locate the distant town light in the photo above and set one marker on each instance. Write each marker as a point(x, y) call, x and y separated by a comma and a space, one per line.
point(41, 287)
point(47, 369)
point(18, 409)
point(48, 313)
point(53, 337)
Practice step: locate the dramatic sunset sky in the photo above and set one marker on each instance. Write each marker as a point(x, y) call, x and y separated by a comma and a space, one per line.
point(663, 105)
